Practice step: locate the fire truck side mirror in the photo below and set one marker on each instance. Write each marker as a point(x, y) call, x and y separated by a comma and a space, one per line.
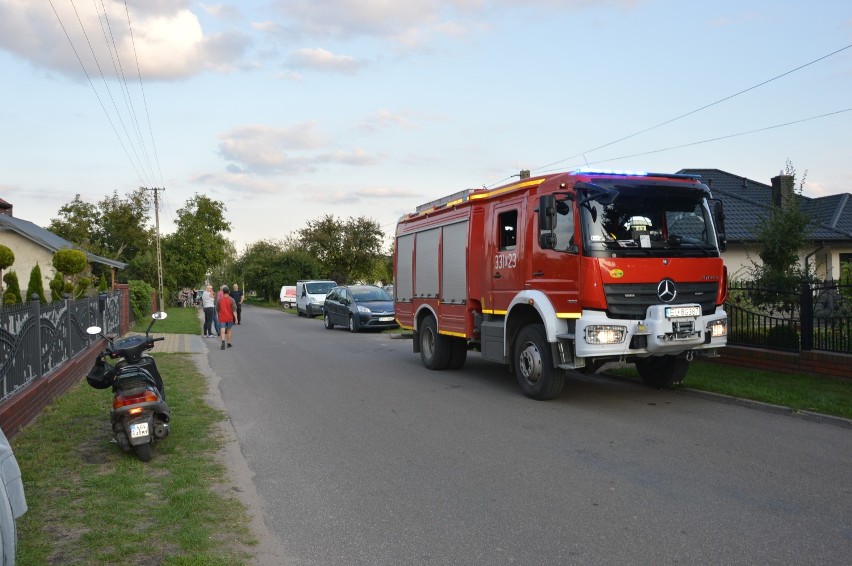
point(547, 240)
point(546, 213)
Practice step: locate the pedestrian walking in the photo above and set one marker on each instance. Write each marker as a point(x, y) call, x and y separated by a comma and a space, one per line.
point(225, 309)
point(208, 303)
point(237, 295)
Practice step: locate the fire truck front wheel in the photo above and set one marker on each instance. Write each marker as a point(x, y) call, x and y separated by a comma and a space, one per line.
point(534, 368)
point(662, 372)
point(435, 349)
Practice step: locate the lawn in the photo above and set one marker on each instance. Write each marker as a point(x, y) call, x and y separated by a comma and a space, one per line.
point(91, 503)
point(179, 321)
point(798, 392)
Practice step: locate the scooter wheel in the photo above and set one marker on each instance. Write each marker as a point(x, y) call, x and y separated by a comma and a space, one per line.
point(143, 451)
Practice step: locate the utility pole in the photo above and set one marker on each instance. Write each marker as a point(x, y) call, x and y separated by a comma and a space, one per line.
point(159, 252)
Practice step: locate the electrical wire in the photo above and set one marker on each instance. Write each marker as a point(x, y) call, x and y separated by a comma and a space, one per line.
point(89, 79)
point(709, 140)
point(800, 67)
point(144, 99)
point(106, 85)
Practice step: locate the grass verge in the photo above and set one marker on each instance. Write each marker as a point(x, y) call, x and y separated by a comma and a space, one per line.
point(798, 392)
point(91, 503)
point(180, 321)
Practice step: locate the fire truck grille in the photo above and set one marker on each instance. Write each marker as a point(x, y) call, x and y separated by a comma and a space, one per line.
point(631, 300)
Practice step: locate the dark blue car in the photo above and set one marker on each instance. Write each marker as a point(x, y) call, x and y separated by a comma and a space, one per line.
point(358, 307)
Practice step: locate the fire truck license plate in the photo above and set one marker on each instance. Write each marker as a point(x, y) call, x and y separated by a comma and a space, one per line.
point(139, 429)
point(677, 312)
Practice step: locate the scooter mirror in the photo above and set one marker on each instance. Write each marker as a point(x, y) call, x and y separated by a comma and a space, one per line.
point(159, 316)
point(93, 330)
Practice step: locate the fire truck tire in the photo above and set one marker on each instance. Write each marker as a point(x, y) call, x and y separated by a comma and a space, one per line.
point(662, 372)
point(458, 353)
point(435, 349)
point(534, 368)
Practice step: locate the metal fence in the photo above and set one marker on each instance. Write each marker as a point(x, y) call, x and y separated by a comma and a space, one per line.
point(817, 316)
point(36, 338)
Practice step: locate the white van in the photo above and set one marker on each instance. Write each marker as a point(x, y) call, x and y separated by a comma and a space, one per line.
point(288, 296)
point(310, 296)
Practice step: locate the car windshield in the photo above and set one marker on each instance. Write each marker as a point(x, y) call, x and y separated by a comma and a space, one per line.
point(321, 288)
point(647, 221)
point(363, 294)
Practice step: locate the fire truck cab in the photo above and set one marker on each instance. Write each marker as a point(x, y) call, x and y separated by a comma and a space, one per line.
point(566, 271)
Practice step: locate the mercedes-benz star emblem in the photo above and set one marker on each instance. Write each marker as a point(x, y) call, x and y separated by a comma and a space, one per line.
point(666, 290)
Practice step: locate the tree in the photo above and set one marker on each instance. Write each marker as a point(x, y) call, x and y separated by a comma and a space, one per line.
point(266, 265)
point(780, 236)
point(117, 227)
point(346, 250)
point(7, 258)
point(36, 285)
point(78, 222)
point(70, 263)
point(198, 244)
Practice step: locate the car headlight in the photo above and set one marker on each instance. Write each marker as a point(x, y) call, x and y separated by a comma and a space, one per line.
point(718, 328)
point(363, 310)
point(604, 334)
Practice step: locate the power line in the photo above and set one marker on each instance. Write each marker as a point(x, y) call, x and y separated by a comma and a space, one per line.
point(719, 138)
point(88, 78)
point(106, 85)
point(800, 67)
point(144, 100)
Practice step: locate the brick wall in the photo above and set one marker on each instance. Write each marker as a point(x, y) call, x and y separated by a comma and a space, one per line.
point(820, 364)
point(25, 404)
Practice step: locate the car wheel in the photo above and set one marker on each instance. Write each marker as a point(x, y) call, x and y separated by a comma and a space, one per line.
point(327, 321)
point(353, 326)
point(534, 364)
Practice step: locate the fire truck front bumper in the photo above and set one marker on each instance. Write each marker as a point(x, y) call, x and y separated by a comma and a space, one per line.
point(666, 330)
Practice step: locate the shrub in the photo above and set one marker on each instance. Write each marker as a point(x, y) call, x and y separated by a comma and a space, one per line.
point(12, 288)
point(784, 337)
point(36, 285)
point(140, 298)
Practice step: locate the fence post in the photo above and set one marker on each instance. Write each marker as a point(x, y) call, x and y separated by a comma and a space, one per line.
point(35, 310)
point(806, 316)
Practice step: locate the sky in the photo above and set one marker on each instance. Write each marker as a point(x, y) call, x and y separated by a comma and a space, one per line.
point(289, 110)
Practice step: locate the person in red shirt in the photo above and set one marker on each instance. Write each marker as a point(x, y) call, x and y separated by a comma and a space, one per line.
point(225, 308)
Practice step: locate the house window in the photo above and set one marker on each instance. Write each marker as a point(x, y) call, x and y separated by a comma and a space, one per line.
point(508, 226)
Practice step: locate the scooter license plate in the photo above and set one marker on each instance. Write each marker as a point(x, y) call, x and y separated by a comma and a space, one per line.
point(138, 430)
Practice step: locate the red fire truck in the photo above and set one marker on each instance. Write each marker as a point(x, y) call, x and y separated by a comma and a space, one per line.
point(566, 271)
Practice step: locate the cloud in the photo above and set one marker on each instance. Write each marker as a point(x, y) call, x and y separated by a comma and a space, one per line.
point(264, 150)
point(167, 38)
point(384, 118)
point(359, 195)
point(320, 59)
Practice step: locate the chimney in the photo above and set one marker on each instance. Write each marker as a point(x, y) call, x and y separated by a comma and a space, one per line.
point(782, 190)
point(5, 208)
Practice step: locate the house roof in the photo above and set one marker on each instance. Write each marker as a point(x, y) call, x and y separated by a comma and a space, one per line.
point(747, 202)
point(48, 239)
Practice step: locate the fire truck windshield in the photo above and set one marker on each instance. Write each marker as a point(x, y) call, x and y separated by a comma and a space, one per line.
point(647, 221)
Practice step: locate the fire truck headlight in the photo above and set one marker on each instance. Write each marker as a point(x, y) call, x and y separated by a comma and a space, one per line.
point(602, 334)
point(718, 328)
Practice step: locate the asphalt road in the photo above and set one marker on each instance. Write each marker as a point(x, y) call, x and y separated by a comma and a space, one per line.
point(360, 455)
